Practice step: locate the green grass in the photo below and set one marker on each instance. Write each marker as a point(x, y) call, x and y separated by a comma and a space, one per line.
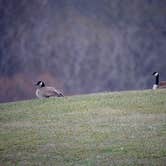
point(119, 129)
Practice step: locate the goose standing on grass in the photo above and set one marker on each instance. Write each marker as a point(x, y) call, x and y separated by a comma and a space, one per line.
point(158, 84)
point(46, 91)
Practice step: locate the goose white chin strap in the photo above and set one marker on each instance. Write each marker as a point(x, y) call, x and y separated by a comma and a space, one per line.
point(156, 74)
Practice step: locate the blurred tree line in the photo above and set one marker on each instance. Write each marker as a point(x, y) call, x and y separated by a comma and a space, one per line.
point(80, 46)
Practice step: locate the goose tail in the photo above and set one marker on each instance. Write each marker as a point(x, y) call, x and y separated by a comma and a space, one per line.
point(60, 95)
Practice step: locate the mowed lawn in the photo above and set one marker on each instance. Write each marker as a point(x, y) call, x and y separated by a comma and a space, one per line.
point(119, 129)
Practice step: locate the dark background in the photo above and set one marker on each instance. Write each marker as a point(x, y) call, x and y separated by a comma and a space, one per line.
point(80, 46)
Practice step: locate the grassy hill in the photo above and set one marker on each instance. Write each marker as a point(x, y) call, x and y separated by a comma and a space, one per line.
point(127, 128)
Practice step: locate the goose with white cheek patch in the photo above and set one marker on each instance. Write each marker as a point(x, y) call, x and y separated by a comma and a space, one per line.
point(46, 91)
point(158, 84)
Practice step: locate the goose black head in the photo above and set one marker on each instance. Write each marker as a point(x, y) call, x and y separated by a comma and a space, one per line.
point(155, 74)
point(40, 84)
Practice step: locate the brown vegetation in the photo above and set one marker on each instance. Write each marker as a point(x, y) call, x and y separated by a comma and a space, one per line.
point(21, 86)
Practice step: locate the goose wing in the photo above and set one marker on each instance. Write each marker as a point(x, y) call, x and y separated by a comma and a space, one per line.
point(51, 91)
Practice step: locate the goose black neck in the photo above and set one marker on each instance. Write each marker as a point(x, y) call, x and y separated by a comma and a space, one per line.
point(157, 79)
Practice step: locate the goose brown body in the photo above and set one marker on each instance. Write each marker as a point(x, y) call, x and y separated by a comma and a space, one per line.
point(162, 84)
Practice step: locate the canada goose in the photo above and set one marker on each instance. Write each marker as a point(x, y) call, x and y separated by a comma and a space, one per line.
point(158, 84)
point(46, 91)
